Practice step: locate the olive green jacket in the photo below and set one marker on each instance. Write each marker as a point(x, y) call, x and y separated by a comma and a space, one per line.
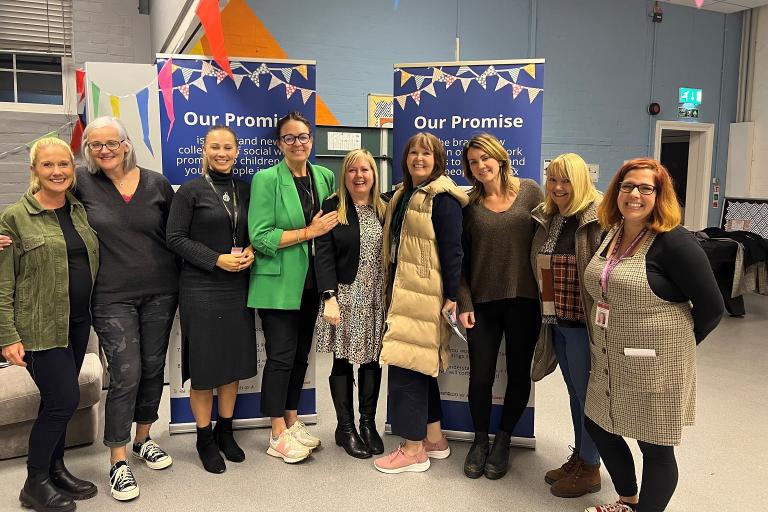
point(34, 273)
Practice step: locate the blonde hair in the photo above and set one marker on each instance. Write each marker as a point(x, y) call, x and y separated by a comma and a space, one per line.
point(343, 194)
point(572, 167)
point(493, 148)
point(216, 128)
point(34, 181)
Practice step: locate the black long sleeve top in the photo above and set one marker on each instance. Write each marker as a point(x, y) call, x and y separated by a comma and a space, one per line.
point(447, 223)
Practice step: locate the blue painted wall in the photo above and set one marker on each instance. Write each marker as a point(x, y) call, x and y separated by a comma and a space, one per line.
point(606, 61)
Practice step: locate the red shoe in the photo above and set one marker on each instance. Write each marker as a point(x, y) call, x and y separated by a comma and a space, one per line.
point(400, 462)
point(438, 450)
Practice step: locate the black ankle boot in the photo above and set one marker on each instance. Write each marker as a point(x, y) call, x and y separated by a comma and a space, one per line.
point(474, 464)
point(68, 484)
point(209, 454)
point(225, 440)
point(346, 434)
point(368, 386)
point(41, 495)
point(497, 463)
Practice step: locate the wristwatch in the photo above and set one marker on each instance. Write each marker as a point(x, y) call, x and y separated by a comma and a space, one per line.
point(327, 294)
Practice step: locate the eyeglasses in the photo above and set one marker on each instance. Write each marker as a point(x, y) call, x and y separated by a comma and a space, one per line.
point(290, 139)
point(644, 189)
point(110, 144)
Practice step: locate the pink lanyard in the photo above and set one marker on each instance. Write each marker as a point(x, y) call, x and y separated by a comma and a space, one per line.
point(613, 261)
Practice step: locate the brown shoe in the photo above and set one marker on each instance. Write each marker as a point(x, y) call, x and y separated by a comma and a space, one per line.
point(566, 469)
point(585, 478)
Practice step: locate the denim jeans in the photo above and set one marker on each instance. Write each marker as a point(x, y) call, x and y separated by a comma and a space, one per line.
point(572, 350)
point(134, 335)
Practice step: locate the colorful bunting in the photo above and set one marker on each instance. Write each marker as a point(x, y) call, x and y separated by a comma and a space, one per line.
point(207, 69)
point(220, 75)
point(238, 80)
point(502, 82)
point(263, 70)
point(401, 100)
point(465, 83)
point(274, 82)
point(464, 69)
point(419, 79)
point(200, 84)
point(209, 15)
point(416, 96)
point(142, 102)
point(289, 90)
point(115, 102)
point(184, 90)
point(514, 73)
point(306, 94)
point(165, 82)
point(187, 74)
point(516, 89)
point(95, 93)
point(254, 78)
point(430, 89)
point(287, 73)
point(404, 77)
point(532, 93)
point(302, 69)
point(530, 69)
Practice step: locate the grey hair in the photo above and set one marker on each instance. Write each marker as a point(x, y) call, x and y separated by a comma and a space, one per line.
point(103, 122)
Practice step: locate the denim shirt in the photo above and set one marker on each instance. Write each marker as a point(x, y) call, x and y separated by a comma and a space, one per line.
point(34, 273)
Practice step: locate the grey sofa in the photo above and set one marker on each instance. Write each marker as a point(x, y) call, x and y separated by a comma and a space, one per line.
point(20, 400)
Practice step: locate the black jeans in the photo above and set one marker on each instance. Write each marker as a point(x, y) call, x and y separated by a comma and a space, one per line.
point(134, 335)
point(55, 372)
point(659, 468)
point(288, 339)
point(414, 401)
point(518, 321)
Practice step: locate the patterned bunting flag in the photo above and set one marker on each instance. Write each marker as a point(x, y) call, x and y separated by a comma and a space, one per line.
point(516, 89)
point(530, 69)
point(236, 65)
point(255, 78)
point(437, 75)
point(187, 73)
point(532, 93)
point(464, 69)
point(416, 96)
point(401, 101)
point(263, 69)
point(287, 73)
point(274, 82)
point(289, 90)
point(184, 90)
point(200, 84)
point(238, 80)
point(404, 77)
point(306, 94)
point(448, 79)
point(302, 69)
point(207, 69)
point(220, 75)
point(502, 82)
point(482, 78)
point(419, 79)
point(430, 89)
point(175, 68)
point(465, 83)
point(514, 73)
point(491, 71)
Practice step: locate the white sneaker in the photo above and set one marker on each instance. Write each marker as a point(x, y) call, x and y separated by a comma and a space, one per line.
point(288, 448)
point(300, 432)
point(123, 485)
point(610, 507)
point(152, 454)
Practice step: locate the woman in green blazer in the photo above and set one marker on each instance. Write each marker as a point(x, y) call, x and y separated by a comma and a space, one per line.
point(284, 218)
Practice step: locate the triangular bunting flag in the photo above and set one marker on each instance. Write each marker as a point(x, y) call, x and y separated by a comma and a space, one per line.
point(95, 93)
point(289, 90)
point(465, 83)
point(210, 17)
point(238, 80)
point(401, 101)
point(287, 73)
point(416, 96)
point(516, 89)
point(142, 102)
point(200, 84)
point(187, 73)
point(514, 73)
point(274, 82)
point(482, 78)
point(184, 90)
point(501, 83)
point(532, 93)
point(419, 79)
point(491, 71)
point(263, 70)
point(255, 78)
point(115, 102)
point(404, 77)
point(207, 69)
point(306, 94)
point(530, 69)
point(236, 65)
point(437, 75)
point(175, 68)
point(430, 89)
point(464, 69)
point(302, 70)
point(448, 79)
point(220, 75)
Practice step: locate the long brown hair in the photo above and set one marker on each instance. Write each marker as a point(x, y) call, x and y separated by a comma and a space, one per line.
point(494, 149)
point(430, 142)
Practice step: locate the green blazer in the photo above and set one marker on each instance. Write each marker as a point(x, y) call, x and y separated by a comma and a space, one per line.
point(278, 275)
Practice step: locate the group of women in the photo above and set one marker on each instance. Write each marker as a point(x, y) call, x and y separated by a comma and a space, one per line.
point(611, 288)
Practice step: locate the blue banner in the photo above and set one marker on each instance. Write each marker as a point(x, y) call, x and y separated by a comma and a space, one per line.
point(457, 100)
point(250, 102)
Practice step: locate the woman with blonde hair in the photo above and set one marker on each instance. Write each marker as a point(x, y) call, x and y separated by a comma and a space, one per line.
point(567, 236)
point(498, 295)
point(350, 277)
point(45, 319)
point(653, 298)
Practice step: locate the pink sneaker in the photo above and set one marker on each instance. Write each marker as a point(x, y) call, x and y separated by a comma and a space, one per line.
point(438, 450)
point(619, 506)
point(399, 462)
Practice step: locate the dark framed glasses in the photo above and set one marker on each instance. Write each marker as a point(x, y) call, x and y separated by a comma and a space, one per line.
point(291, 139)
point(644, 189)
point(110, 144)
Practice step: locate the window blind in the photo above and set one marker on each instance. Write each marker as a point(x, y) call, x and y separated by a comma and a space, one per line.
point(36, 26)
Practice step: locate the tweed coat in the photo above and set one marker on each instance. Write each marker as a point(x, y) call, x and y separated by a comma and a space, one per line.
point(645, 398)
point(588, 235)
point(417, 337)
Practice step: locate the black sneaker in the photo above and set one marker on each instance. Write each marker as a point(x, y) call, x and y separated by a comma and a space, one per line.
point(122, 483)
point(152, 454)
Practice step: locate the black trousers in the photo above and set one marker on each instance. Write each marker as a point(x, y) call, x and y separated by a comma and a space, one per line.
point(518, 321)
point(288, 339)
point(55, 372)
point(659, 468)
point(414, 400)
point(342, 367)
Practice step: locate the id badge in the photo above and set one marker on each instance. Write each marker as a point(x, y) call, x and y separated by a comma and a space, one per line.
point(601, 315)
point(236, 250)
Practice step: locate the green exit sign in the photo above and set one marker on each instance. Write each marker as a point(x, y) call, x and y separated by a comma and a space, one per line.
point(690, 97)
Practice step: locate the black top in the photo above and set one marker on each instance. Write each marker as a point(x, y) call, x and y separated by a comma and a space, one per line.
point(678, 271)
point(135, 261)
point(566, 241)
point(199, 228)
point(80, 283)
point(310, 206)
point(338, 251)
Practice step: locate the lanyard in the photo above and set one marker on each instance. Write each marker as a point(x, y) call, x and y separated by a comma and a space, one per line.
point(613, 261)
point(232, 218)
point(311, 193)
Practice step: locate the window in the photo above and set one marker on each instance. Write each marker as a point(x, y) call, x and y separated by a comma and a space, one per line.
point(34, 79)
point(36, 26)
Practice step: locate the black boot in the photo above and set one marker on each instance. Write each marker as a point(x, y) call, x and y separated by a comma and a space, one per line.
point(346, 434)
point(474, 464)
point(222, 432)
point(497, 463)
point(209, 454)
point(41, 495)
point(368, 386)
point(68, 484)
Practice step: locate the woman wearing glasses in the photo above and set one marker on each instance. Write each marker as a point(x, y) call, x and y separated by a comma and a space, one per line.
point(284, 218)
point(134, 297)
point(654, 299)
